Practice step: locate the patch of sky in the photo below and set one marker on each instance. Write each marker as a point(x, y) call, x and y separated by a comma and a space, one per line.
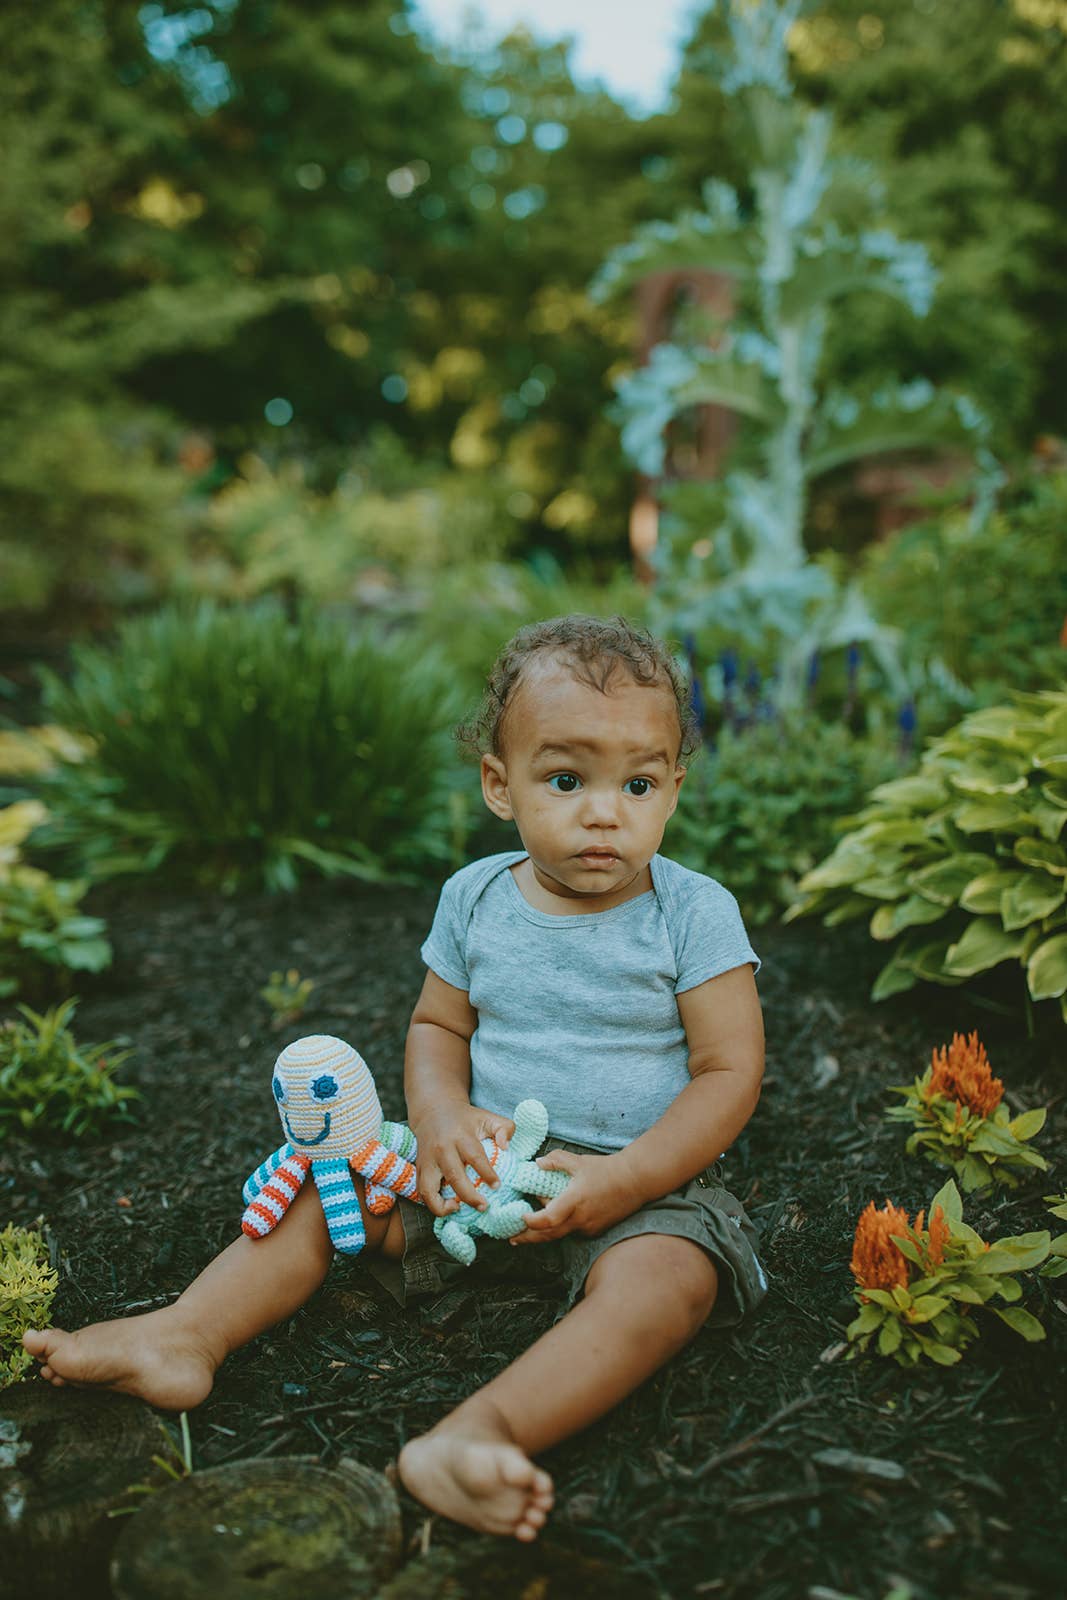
point(278, 412)
point(395, 388)
point(550, 135)
point(522, 203)
point(168, 39)
point(511, 129)
point(482, 196)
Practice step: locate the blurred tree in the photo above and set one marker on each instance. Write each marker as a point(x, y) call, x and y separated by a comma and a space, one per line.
point(962, 105)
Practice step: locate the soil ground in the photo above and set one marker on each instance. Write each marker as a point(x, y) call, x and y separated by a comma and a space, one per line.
point(706, 1482)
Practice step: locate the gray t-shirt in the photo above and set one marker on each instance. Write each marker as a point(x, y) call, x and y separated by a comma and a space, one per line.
point(580, 1011)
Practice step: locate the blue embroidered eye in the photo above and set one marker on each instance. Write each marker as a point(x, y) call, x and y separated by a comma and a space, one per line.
point(279, 1091)
point(325, 1088)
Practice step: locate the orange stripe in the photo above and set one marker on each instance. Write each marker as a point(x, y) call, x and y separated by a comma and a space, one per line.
point(261, 1211)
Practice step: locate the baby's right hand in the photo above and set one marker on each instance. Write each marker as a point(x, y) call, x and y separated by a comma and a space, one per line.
point(450, 1141)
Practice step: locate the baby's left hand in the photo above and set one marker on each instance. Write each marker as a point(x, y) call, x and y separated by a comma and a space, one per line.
point(600, 1192)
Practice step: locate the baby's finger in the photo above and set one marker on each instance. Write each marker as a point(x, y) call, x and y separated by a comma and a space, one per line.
point(465, 1188)
point(474, 1154)
point(560, 1161)
point(429, 1180)
point(549, 1217)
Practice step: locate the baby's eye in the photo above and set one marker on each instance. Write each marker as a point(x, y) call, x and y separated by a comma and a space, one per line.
point(324, 1088)
point(564, 783)
point(638, 787)
point(279, 1089)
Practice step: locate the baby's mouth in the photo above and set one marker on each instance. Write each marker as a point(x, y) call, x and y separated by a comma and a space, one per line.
point(598, 857)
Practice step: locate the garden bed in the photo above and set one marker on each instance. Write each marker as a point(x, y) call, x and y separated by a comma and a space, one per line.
point(709, 1480)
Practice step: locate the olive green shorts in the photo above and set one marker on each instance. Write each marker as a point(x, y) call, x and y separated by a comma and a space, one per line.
point(704, 1211)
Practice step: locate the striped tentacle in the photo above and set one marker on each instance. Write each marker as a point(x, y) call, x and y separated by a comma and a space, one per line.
point(398, 1137)
point(383, 1169)
point(273, 1199)
point(340, 1203)
point(263, 1173)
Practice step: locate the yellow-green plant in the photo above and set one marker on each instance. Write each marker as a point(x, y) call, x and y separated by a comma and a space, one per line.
point(27, 1289)
point(287, 994)
point(917, 1286)
point(49, 1081)
point(41, 926)
point(962, 863)
point(1056, 1265)
point(960, 1121)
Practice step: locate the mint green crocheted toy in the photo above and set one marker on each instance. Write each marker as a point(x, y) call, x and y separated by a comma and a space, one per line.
point(518, 1174)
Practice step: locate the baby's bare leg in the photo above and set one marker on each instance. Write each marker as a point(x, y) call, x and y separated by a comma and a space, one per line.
point(644, 1299)
point(170, 1356)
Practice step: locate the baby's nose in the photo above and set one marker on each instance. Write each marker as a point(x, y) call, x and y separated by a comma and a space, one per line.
point(601, 809)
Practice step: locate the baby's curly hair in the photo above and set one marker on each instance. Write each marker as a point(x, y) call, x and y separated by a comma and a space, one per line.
point(594, 650)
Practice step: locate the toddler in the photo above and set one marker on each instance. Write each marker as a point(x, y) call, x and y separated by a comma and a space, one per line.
point(586, 971)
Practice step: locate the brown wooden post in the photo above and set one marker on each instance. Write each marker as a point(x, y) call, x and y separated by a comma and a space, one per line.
point(658, 296)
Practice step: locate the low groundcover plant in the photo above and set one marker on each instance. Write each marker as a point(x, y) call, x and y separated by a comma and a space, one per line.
point(960, 1121)
point(27, 1289)
point(49, 1081)
point(916, 1285)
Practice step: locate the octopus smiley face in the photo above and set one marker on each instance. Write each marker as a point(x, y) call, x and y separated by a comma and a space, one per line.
point(325, 1096)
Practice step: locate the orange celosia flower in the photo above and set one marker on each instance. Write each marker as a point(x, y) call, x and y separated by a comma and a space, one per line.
point(962, 1073)
point(876, 1261)
point(939, 1235)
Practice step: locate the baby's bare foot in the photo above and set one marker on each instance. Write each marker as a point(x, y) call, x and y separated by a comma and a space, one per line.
point(485, 1483)
point(149, 1356)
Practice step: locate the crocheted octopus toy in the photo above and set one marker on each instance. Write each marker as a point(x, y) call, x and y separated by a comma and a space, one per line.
point(333, 1123)
point(518, 1175)
point(332, 1119)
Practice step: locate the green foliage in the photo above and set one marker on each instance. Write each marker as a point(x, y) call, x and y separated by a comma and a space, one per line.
point(50, 1083)
point(761, 808)
point(970, 843)
point(988, 602)
point(287, 995)
point(472, 613)
point(244, 746)
point(270, 532)
point(981, 1150)
point(41, 927)
point(1056, 1265)
point(932, 1316)
point(27, 1288)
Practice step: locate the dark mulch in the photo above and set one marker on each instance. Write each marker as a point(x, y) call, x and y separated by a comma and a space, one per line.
point(704, 1483)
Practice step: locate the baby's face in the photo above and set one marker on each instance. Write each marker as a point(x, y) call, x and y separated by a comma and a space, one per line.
point(589, 778)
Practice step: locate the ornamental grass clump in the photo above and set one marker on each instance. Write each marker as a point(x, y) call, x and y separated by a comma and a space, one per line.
point(27, 1289)
point(51, 1083)
point(960, 1121)
point(41, 924)
point(244, 747)
point(917, 1285)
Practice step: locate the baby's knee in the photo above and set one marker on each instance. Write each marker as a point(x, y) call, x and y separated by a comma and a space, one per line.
point(678, 1279)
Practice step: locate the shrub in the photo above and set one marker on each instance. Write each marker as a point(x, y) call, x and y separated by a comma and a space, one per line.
point(959, 1120)
point(916, 1286)
point(27, 1289)
point(238, 744)
point(760, 809)
point(988, 602)
point(49, 1081)
point(41, 927)
point(970, 842)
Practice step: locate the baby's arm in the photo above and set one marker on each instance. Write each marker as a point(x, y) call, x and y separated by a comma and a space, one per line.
point(437, 1075)
point(724, 1028)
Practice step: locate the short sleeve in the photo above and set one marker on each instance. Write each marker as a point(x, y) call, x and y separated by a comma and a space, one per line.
point(444, 950)
point(710, 936)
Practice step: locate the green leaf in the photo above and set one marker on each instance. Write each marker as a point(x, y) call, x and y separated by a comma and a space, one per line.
point(944, 881)
point(943, 1354)
point(1039, 853)
point(1028, 1123)
point(895, 977)
point(1030, 900)
point(948, 1198)
point(890, 1337)
point(984, 944)
point(991, 816)
point(1046, 970)
point(984, 893)
point(911, 912)
point(1021, 1321)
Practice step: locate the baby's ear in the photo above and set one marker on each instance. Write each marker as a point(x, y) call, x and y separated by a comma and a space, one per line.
point(495, 788)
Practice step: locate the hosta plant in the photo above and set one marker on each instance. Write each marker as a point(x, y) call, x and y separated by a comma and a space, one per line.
point(960, 1121)
point(918, 1286)
point(961, 865)
point(27, 1289)
point(1056, 1265)
point(49, 1082)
